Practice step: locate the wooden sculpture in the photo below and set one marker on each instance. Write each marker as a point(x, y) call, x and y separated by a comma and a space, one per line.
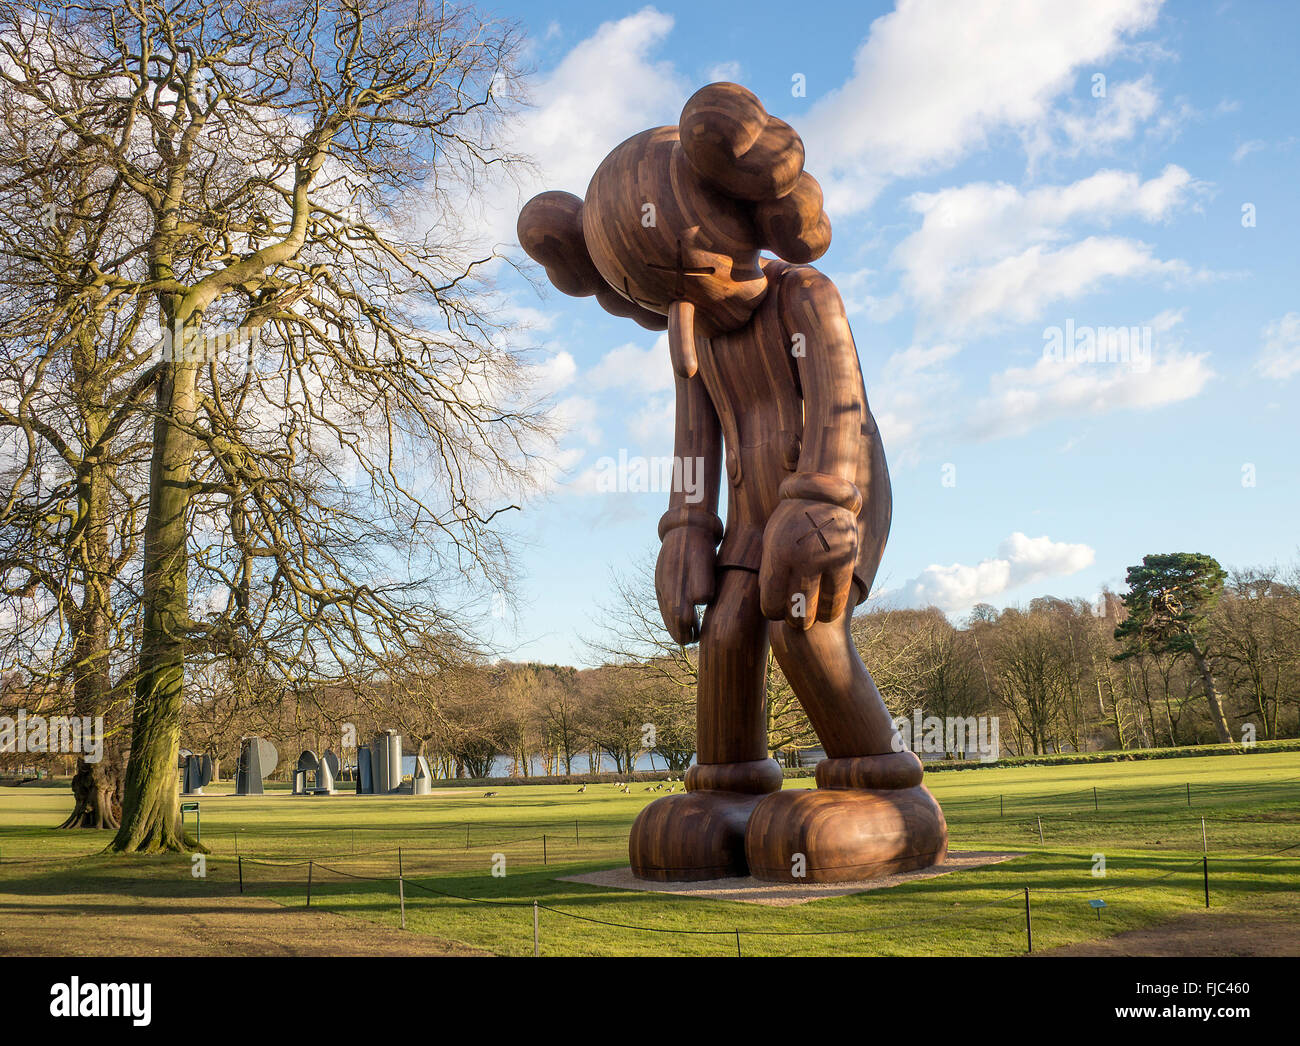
point(767, 380)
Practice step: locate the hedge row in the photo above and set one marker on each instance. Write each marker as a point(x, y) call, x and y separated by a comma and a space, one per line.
point(1117, 755)
point(1063, 758)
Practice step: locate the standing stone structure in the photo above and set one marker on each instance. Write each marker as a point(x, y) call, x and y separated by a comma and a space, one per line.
point(315, 775)
point(257, 759)
point(196, 772)
point(381, 768)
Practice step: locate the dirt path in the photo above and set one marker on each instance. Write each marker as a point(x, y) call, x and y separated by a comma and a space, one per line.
point(1202, 933)
point(108, 924)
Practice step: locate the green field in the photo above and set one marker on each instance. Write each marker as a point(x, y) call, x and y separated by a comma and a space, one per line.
point(1140, 820)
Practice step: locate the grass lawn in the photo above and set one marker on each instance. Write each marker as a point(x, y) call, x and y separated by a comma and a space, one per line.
point(1140, 821)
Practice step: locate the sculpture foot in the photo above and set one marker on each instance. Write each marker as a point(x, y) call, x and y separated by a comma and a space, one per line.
point(700, 834)
point(868, 817)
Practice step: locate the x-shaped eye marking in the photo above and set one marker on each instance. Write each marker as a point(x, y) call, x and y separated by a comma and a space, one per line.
point(816, 529)
point(682, 271)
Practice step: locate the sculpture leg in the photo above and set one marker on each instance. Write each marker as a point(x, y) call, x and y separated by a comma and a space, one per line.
point(869, 815)
point(701, 833)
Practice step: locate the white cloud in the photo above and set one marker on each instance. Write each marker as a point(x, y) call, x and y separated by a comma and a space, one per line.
point(1246, 148)
point(604, 90)
point(577, 416)
point(1115, 118)
point(904, 399)
point(989, 252)
point(860, 301)
point(553, 374)
point(1021, 287)
point(1022, 398)
point(729, 71)
point(652, 425)
point(1020, 560)
point(632, 367)
point(1167, 320)
point(918, 402)
point(934, 79)
point(1280, 358)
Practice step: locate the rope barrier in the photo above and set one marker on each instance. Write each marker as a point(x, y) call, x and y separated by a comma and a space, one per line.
point(1109, 891)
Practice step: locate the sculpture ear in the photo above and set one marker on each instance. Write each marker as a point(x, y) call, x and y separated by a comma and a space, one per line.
point(550, 232)
point(794, 225)
point(733, 143)
point(614, 303)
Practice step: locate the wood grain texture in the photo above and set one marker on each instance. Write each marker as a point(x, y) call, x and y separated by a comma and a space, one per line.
point(769, 391)
point(844, 835)
point(693, 836)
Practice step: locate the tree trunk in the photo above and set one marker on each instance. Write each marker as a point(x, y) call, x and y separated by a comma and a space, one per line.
point(95, 786)
point(1217, 717)
point(151, 811)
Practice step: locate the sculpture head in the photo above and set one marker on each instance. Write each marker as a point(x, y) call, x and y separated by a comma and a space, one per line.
point(675, 217)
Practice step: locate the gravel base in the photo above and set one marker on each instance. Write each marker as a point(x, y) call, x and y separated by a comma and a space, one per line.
point(782, 895)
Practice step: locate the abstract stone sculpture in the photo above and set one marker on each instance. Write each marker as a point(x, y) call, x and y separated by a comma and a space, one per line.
point(315, 775)
point(331, 763)
point(365, 773)
point(768, 384)
point(421, 777)
point(379, 765)
point(257, 759)
point(196, 772)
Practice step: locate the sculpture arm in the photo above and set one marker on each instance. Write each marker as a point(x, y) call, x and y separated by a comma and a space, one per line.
point(690, 529)
point(835, 402)
point(811, 544)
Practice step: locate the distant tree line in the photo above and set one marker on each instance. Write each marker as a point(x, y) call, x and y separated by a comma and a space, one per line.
point(1188, 655)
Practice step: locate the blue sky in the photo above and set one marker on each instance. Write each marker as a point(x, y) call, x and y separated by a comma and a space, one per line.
point(985, 185)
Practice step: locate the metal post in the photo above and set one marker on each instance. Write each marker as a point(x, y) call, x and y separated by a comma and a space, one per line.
point(537, 946)
point(399, 862)
point(1095, 807)
point(1205, 846)
point(738, 944)
point(401, 897)
point(466, 835)
point(310, 866)
point(1029, 926)
point(241, 875)
point(1189, 793)
point(1000, 807)
point(1040, 828)
point(1205, 869)
point(543, 848)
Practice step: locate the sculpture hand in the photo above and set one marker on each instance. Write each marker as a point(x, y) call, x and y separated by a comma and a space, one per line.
point(809, 550)
point(684, 579)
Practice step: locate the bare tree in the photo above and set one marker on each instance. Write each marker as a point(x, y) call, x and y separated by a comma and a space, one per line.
point(336, 422)
point(72, 442)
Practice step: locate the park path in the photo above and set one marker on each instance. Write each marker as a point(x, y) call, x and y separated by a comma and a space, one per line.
point(111, 925)
point(1225, 933)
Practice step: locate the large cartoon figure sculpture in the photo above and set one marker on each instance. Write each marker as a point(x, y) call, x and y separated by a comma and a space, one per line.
point(767, 381)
